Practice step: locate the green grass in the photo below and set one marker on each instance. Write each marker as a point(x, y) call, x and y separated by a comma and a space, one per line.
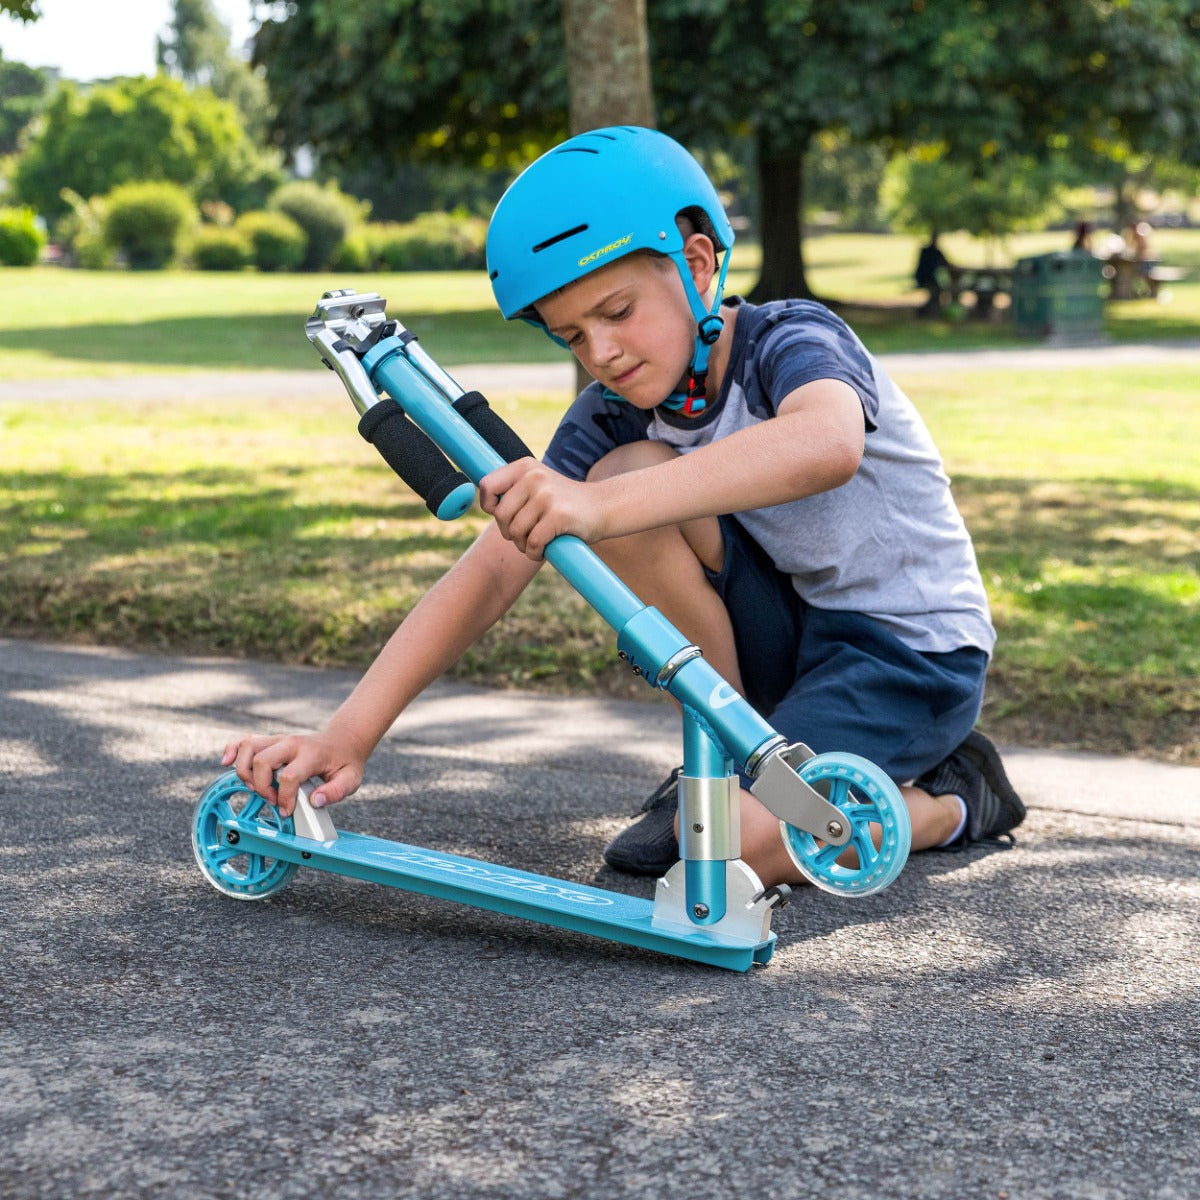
point(74, 323)
point(1082, 493)
point(271, 530)
point(61, 323)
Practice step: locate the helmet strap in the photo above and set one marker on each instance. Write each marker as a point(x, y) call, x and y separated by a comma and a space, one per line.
point(709, 324)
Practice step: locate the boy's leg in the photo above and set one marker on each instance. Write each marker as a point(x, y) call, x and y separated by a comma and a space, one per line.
point(683, 571)
point(666, 566)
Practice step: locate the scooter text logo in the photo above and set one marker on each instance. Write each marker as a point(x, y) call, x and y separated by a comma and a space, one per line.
point(489, 875)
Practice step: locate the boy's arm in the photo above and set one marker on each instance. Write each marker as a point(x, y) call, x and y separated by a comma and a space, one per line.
point(813, 444)
point(475, 593)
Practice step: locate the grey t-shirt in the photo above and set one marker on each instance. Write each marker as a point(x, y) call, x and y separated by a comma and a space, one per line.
point(890, 543)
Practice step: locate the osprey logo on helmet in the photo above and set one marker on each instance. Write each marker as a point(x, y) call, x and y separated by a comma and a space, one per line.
point(595, 254)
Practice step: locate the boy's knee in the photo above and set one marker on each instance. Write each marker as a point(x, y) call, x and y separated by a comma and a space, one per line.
point(632, 456)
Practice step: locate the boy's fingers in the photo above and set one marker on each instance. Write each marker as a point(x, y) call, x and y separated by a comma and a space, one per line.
point(299, 770)
point(336, 788)
point(265, 760)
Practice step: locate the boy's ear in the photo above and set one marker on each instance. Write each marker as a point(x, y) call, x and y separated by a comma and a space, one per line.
point(701, 258)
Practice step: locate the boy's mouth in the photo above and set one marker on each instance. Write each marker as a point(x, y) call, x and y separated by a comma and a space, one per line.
point(626, 376)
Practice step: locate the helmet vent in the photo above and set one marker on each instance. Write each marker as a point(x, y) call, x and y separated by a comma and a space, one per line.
point(558, 237)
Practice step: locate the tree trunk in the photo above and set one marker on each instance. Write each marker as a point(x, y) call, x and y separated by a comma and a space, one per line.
point(608, 63)
point(608, 71)
point(781, 214)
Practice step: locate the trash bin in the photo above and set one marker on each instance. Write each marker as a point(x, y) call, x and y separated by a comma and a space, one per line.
point(1059, 297)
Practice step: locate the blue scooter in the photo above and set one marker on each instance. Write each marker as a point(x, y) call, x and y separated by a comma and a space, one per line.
point(844, 822)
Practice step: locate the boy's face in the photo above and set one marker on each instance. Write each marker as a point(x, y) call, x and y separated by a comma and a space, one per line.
point(630, 326)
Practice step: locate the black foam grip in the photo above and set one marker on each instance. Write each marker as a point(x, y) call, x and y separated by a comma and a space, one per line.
point(410, 453)
point(490, 426)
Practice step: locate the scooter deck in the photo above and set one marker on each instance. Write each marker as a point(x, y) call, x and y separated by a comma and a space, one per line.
point(542, 898)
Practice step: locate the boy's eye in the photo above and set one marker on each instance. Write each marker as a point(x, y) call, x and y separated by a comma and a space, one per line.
point(621, 313)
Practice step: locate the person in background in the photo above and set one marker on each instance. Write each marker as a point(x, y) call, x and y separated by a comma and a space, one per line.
point(930, 274)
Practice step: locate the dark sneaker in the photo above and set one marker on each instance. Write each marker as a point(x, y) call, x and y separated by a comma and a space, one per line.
point(975, 773)
point(649, 846)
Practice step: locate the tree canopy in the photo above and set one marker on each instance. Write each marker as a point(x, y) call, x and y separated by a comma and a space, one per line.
point(23, 91)
point(196, 48)
point(139, 129)
point(980, 81)
point(481, 81)
point(23, 10)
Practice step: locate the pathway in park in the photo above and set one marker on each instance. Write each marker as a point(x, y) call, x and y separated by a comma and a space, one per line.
point(998, 1023)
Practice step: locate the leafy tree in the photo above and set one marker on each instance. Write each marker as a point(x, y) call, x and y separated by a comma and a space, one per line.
point(846, 177)
point(196, 49)
point(23, 92)
point(139, 129)
point(477, 81)
point(982, 80)
point(927, 192)
point(23, 10)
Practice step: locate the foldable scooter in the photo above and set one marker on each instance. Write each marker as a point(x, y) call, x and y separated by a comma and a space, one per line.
point(843, 821)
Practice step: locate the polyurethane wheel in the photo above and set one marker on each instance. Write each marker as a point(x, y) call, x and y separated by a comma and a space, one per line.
point(880, 829)
point(242, 875)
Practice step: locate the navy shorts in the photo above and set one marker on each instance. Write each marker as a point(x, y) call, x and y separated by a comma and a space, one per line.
point(841, 680)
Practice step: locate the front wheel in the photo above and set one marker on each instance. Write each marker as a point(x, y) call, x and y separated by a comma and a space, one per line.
point(880, 829)
point(242, 875)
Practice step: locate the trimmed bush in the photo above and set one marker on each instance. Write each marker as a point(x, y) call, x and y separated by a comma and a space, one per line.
point(276, 242)
point(148, 222)
point(216, 248)
point(354, 254)
point(324, 213)
point(81, 232)
point(433, 241)
point(21, 238)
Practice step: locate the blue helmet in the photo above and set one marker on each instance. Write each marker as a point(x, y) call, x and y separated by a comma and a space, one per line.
point(594, 199)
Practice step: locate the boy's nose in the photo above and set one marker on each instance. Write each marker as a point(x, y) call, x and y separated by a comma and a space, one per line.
point(605, 348)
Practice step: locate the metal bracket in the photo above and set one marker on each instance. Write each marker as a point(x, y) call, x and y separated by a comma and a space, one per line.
point(342, 322)
point(709, 818)
point(747, 915)
point(786, 795)
point(312, 823)
point(352, 315)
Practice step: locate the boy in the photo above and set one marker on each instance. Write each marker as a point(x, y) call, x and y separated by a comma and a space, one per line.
point(748, 470)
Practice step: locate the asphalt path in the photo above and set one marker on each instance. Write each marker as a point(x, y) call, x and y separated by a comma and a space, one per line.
point(999, 1023)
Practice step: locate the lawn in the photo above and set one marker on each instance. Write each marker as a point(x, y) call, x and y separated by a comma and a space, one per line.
point(73, 323)
point(271, 530)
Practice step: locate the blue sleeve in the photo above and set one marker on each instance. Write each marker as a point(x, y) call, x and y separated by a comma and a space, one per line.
point(808, 343)
point(591, 427)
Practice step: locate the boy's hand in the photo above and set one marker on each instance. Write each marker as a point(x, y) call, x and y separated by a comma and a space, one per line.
point(533, 505)
point(260, 760)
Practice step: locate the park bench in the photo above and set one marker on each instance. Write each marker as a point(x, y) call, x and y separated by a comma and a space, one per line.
point(983, 284)
point(1134, 278)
